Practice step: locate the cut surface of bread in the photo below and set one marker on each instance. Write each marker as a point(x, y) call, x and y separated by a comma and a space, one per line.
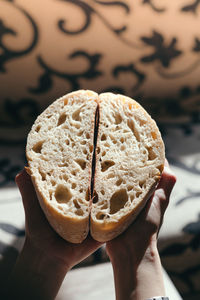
point(94, 161)
point(129, 161)
point(59, 152)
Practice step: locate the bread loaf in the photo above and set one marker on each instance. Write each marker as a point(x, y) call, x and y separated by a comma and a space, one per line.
point(94, 161)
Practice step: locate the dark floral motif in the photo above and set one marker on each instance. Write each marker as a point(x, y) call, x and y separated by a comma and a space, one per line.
point(163, 53)
point(18, 113)
point(46, 82)
point(88, 11)
point(7, 54)
point(196, 47)
point(191, 7)
point(140, 76)
point(153, 6)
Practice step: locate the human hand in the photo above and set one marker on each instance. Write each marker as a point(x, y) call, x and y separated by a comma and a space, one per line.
point(144, 230)
point(41, 236)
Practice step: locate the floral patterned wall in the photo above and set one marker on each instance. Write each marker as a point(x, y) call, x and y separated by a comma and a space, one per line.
point(146, 49)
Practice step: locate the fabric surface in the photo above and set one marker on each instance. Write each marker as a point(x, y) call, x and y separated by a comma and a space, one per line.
point(179, 240)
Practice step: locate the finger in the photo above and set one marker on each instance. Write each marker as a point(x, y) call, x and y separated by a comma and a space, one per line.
point(164, 188)
point(168, 180)
point(29, 197)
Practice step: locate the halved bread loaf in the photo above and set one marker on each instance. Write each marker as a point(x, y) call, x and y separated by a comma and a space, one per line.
point(94, 161)
point(59, 152)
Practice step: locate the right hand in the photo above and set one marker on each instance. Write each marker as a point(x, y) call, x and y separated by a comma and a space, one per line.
point(142, 233)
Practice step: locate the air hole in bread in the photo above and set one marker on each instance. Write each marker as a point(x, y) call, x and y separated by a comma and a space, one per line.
point(100, 216)
point(81, 190)
point(103, 137)
point(76, 204)
point(103, 153)
point(105, 165)
point(102, 192)
point(73, 185)
point(118, 118)
point(118, 201)
point(138, 194)
point(61, 119)
point(43, 175)
point(95, 198)
point(85, 151)
point(87, 195)
point(38, 147)
point(79, 212)
point(53, 182)
point(151, 154)
point(62, 194)
point(98, 150)
point(63, 165)
point(131, 125)
point(67, 142)
point(83, 142)
point(74, 172)
point(119, 182)
point(141, 183)
point(73, 144)
point(81, 163)
point(77, 125)
point(91, 148)
point(87, 135)
point(154, 135)
point(80, 133)
point(107, 145)
point(132, 198)
point(76, 115)
point(65, 177)
point(122, 140)
point(111, 175)
point(37, 129)
point(130, 188)
point(122, 148)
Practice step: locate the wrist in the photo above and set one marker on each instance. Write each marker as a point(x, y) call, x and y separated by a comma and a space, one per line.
point(138, 275)
point(41, 258)
point(36, 275)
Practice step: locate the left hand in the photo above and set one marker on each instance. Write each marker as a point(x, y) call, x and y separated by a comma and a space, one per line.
point(41, 236)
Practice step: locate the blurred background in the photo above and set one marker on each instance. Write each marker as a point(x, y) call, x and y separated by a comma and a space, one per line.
point(146, 49)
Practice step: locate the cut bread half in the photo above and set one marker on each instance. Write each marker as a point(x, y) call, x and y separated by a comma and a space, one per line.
point(94, 161)
point(129, 161)
point(59, 152)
